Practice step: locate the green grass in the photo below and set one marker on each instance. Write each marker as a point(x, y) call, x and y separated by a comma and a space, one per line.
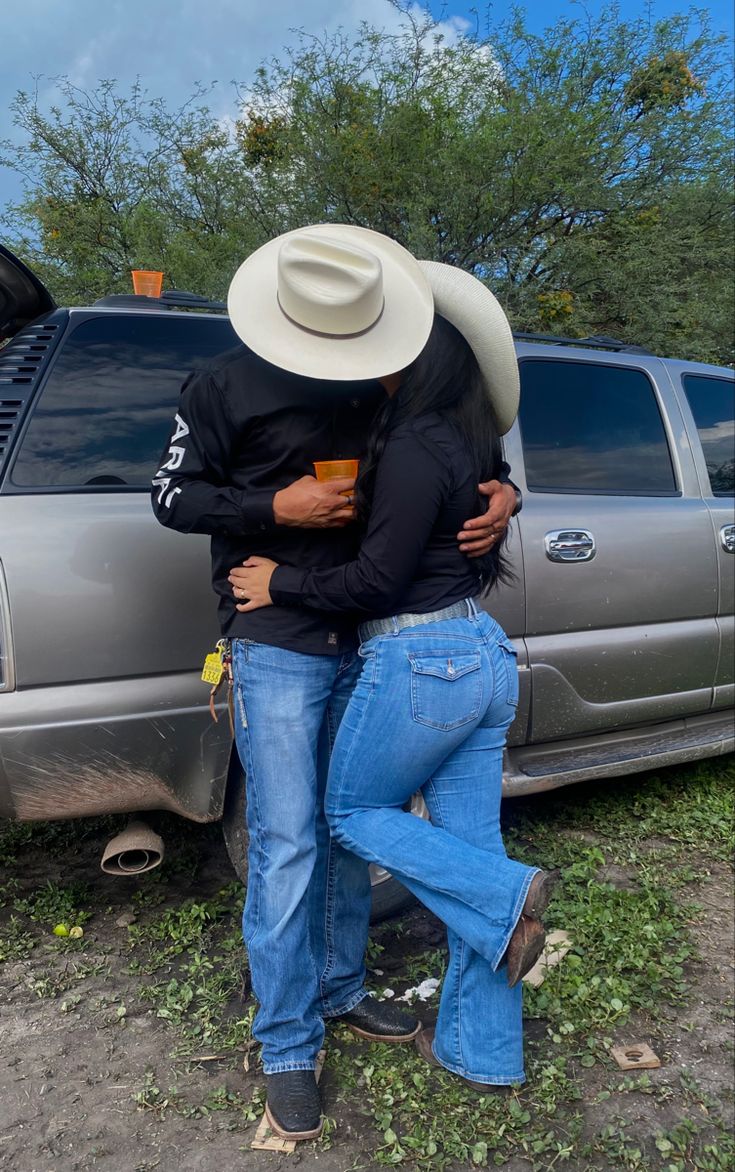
point(631, 947)
point(428, 1119)
point(194, 952)
point(629, 851)
point(152, 1098)
point(16, 942)
point(692, 805)
point(55, 903)
point(55, 839)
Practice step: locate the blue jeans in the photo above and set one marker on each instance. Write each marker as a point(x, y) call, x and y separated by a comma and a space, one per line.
point(307, 908)
point(431, 711)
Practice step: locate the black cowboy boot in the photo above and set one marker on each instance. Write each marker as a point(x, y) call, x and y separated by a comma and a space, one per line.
point(293, 1108)
point(379, 1021)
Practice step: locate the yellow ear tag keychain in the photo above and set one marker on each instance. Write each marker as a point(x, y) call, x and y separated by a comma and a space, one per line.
point(214, 667)
point(217, 665)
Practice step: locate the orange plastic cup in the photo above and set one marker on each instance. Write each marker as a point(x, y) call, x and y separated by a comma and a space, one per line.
point(147, 282)
point(329, 469)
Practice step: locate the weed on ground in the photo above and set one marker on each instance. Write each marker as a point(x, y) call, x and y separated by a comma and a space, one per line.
point(138, 1026)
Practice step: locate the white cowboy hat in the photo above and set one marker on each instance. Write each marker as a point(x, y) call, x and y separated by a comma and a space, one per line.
point(476, 313)
point(332, 301)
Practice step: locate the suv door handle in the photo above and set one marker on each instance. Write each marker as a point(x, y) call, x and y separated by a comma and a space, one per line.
point(727, 537)
point(570, 545)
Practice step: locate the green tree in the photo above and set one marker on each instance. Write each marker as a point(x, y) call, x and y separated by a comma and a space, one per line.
point(583, 172)
point(115, 182)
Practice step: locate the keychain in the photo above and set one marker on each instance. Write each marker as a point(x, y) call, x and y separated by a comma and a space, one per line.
point(217, 667)
point(214, 665)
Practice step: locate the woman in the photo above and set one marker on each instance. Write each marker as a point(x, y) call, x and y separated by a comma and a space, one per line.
point(438, 688)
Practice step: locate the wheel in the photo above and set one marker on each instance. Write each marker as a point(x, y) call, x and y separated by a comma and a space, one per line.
point(234, 824)
point(389, 896)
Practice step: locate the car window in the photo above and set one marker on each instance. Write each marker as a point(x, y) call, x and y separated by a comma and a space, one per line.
point(108, 403)
point(589, 427)
point(712, 402)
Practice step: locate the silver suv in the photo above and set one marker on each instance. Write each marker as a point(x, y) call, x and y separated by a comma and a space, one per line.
point(622, 611)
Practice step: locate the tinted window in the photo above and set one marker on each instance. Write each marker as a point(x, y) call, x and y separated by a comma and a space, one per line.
point(588, 427)
point(712, 401)
point(107, 406)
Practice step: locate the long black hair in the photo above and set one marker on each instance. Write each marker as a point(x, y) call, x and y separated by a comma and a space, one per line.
point(445, 378)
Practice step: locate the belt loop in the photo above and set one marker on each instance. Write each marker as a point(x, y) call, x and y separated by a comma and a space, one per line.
point(396, 627)
point(471, 607)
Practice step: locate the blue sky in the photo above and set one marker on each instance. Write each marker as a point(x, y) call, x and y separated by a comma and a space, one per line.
point(172, 44)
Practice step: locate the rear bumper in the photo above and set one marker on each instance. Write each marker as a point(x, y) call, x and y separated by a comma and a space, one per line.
point(63, 755)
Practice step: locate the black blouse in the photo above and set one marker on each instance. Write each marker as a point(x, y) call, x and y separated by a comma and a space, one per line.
point(409, 559)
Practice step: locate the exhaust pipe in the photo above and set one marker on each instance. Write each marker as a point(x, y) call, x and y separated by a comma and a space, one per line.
point(136, 849)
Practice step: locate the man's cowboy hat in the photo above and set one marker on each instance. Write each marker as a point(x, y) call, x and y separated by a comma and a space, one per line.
point(333, 301)
point(475, 312)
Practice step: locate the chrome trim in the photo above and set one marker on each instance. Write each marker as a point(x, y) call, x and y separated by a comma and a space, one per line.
point(570, 545)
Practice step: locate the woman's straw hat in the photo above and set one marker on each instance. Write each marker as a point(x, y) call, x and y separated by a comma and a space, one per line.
point(477, 314)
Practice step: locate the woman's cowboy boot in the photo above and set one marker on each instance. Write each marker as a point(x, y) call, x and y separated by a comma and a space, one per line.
point(528, 939)
point(525, 947)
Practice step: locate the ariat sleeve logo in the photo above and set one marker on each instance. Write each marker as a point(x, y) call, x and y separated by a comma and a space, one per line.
point(174, 459)
point(175, 456)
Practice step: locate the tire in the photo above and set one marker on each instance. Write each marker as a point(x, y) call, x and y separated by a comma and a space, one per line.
point(234, 824)
point(389, 896)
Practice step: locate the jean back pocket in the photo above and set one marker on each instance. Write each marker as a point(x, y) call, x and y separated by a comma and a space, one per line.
point(446, 690)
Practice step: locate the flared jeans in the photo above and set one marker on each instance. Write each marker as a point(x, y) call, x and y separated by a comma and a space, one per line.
point(430, 712)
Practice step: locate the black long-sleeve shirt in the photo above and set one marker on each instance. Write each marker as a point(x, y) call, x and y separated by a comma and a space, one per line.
point(409, 559)
point(245, 429)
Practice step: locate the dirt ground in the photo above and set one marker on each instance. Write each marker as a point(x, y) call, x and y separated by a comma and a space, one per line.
point(75, 1095)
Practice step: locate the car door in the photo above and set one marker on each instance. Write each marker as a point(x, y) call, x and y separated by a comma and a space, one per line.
point(109, 614)
point(619, 563)
point(23, 298)
point(707, 396)
point(93, 580)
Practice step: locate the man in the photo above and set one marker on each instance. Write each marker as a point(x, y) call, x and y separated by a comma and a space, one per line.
point(315, 307)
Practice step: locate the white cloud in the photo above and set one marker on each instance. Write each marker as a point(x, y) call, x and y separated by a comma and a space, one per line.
point(169, 44)
point(725, 430)
point(172, 45)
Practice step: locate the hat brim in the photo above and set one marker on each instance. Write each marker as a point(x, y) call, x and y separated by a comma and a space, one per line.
point(477, 314)
point(391, 344)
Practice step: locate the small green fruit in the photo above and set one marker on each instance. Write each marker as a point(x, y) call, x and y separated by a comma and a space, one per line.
point(61, 930)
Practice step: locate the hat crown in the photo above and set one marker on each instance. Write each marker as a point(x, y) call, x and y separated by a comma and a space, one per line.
point(328, 285)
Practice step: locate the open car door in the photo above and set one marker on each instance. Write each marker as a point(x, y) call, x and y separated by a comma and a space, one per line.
point(23, 297)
